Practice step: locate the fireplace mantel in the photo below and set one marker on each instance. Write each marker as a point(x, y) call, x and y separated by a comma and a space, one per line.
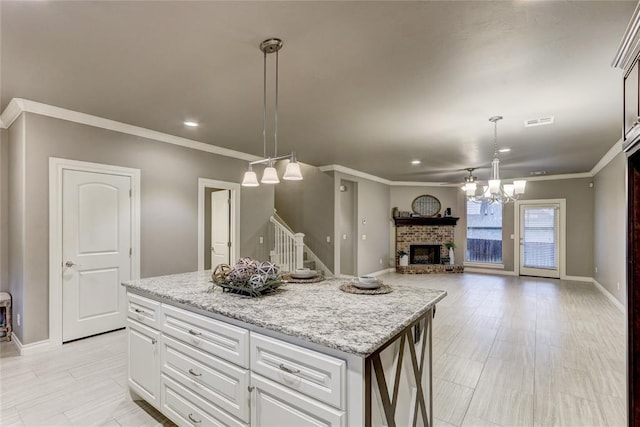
point(445, 220)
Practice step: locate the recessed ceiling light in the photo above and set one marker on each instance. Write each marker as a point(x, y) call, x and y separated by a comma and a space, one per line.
point(191, 124)
point(504, 150)
point(415, 162)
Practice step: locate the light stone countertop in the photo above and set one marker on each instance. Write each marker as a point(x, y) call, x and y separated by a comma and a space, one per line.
point(318, 312)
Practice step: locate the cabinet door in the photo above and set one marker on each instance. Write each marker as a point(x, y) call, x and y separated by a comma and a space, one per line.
point(144, 366)
point(274, 405)
point(631, 113)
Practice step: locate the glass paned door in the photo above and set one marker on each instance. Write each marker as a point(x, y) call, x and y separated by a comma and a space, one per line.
point(539, 254)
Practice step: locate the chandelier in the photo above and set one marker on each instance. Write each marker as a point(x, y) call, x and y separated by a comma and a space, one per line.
point(496, 191)
point(270, 175)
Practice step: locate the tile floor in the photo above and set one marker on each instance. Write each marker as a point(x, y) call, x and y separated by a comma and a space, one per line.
point(507, 352)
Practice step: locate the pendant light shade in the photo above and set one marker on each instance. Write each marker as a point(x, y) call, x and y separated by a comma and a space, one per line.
point(250, 179)
point(270, 175)
point(519, 185)
point(293, 173)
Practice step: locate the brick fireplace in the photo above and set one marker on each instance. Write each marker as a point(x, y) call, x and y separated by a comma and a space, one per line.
point(425, 235)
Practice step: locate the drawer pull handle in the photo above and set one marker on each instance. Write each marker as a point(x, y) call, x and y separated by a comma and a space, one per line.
point(193, 420)
point(137, 310)
point(194, 373)
point(289, 370)
point(153, 341)
point(196, 333)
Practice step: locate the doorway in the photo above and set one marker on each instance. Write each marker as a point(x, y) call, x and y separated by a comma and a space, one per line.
point(94, 240)
point(217, 227)
point(540, 238)
point(348, 227)
point(218, 223)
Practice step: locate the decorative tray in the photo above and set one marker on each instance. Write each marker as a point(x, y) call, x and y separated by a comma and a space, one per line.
point(315, 279)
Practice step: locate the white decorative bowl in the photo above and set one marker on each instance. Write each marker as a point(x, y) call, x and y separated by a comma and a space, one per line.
point(374, 285)
point(367, 280)
point(303, 273)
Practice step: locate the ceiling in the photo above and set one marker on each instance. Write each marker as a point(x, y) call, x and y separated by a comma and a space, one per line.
point(366, 85)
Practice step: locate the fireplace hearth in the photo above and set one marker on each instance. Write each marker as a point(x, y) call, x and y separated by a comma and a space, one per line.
point(424, 254)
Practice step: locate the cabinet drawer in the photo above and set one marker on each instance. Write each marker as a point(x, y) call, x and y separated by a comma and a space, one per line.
point(212, 336)
point(186, 408)
point(143, 310)
point(276, 405)
point(222, 383)
point(314, 374)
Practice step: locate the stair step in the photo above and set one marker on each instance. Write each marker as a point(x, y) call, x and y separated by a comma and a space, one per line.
point(310, 264)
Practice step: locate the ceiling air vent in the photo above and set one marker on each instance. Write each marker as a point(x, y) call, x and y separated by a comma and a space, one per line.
point(540, 121)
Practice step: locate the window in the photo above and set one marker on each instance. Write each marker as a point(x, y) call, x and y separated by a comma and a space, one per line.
point(484, 232)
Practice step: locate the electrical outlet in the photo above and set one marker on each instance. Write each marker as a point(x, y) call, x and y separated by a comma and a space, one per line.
point(18, 319)
point(618, 285)
point(261, 239)
point(328, 239)
point(364, 237)
point(596, 269)
point(380, 261)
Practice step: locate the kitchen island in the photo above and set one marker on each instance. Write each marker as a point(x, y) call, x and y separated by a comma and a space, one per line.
point(308, 354)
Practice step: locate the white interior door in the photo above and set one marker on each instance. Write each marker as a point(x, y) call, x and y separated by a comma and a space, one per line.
point(540, 240)
point(96, 245)
point(220, 219)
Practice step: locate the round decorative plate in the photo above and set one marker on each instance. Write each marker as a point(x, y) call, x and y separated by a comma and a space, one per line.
point(426, 205)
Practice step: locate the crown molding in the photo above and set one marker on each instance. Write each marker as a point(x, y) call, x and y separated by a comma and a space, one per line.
point(354, 172)
point(17, 106)
point(630, 43)
point(556, 177)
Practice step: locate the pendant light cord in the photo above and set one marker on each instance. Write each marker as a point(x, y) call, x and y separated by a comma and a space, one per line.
point(264, 105)
point(275, 135)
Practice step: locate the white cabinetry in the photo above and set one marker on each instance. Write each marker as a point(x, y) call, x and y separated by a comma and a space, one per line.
point(143, 368)
point(201, 371)
point(275, 405)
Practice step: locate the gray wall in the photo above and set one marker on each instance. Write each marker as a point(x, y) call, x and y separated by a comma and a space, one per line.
point(373, 201)
point(579, 197)
point(610, 218)
point(16, 224)
point(4, 213)
point(169, 187)
point(450, 197)
point(307, 207)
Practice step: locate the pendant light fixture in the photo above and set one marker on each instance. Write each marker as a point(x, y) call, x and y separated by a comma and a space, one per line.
point(270, 174)
point(495, 192)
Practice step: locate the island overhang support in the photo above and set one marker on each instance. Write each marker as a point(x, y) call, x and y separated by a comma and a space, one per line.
point(417, 334)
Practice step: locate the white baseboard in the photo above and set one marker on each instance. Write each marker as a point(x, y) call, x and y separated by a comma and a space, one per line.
point(608, 294)
point(489, 271)
point(381, 272)
point(32, 348)
point(578, 278)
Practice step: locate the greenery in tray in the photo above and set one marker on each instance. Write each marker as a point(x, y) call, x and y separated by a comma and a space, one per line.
point(450, 245)
point(248, 277)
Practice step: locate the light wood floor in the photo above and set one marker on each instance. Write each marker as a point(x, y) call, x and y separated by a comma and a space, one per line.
point(508, 351)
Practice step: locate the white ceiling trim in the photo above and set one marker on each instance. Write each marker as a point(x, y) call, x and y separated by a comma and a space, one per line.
point(630, 43)
point(557, 177)
point(17, 106)
point(354, 172)
point(424, 184)
point(609, 155)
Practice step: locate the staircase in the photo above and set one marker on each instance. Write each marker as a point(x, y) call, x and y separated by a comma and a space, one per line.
point(289, 250)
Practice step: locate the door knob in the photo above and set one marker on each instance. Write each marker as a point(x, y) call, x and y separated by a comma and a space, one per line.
point(71, 264)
